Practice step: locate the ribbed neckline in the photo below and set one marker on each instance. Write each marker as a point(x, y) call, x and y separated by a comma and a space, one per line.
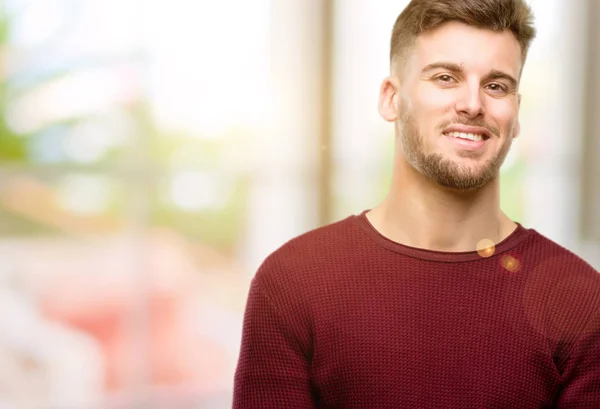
point(516, 237)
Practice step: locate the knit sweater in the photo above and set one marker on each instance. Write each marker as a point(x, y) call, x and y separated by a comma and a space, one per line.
point(342, 317)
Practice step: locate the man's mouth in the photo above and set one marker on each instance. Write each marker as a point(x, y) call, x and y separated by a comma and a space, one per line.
point(467, 136)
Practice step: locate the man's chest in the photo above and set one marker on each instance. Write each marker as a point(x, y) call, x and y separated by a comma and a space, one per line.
point(410, 354)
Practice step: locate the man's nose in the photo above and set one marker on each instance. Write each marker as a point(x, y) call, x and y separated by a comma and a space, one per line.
point(470, 102)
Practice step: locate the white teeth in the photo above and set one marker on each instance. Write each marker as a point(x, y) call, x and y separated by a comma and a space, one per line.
point(469, 136)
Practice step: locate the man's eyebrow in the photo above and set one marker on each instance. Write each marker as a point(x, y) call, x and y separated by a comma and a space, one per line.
point(450, 66)
point(458, 69)
point(499, 75)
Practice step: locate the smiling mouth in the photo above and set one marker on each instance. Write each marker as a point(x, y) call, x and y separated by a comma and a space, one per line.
point(467, 136)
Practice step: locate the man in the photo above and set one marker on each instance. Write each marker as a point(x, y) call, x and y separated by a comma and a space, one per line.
point(435, 298)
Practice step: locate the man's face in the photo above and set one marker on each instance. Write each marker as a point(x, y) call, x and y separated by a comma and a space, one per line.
point(456, 104)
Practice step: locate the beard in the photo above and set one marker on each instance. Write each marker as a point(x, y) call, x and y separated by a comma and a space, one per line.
point(447, 172)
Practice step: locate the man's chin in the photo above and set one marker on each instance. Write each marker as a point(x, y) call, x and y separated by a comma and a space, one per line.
point(453, 177)
point(462, 182)
point(456, 174)
point(463, 185)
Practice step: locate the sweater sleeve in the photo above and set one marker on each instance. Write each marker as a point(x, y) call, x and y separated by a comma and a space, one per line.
point(581, 377)
point(272, 370)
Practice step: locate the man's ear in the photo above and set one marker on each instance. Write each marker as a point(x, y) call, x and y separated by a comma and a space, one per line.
point(388, 99)
point(517, 130)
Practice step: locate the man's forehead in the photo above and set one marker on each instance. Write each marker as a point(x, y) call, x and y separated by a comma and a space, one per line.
point(468, 47)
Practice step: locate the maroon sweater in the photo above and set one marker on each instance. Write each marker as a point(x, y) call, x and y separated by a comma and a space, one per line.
point(342, 317)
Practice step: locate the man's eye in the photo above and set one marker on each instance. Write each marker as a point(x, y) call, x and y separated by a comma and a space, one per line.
point(444, 78)
point(497, 87)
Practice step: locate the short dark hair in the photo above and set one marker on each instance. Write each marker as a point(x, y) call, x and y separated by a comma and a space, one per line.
point(498, 15)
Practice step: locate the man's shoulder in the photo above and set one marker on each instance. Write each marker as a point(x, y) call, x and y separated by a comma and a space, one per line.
point(564, 287)
point(308, 255)
point(320, 239)
point(570, 285)
point(558, 258)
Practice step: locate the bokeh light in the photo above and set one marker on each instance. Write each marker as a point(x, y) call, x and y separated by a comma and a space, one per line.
point(486, 248)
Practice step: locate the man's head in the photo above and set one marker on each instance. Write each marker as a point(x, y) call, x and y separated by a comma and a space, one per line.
point(456, 66)
point(421, 16)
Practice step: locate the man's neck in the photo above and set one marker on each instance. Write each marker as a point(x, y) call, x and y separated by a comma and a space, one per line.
point(420, 213)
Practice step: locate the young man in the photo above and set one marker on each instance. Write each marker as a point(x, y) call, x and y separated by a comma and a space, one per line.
point(435, 298)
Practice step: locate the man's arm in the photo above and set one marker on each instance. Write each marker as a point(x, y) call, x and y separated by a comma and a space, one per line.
point(581, 377)
point(273, 371)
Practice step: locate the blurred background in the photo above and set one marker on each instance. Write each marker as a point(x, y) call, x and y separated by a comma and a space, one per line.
point(153, 153)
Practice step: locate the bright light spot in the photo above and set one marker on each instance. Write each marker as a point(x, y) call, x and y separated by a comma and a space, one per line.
point(90, 141)
point(193, 190)
point(84, 194)
point(108, 26)
point(510, 263)
point(208, 77)
point(86, 144)
point(76, 95)
point(37, 22)
point(486, 248)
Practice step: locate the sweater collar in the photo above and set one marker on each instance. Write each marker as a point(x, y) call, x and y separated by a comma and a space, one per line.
point(516, 237)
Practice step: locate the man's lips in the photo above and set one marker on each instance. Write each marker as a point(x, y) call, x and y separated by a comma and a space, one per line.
point(465, 129)
point(466, 144)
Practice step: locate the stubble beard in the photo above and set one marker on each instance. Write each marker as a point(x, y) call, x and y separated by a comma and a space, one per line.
point(447, 172)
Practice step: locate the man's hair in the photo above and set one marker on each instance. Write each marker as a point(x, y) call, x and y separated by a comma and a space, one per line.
point(498, 15)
